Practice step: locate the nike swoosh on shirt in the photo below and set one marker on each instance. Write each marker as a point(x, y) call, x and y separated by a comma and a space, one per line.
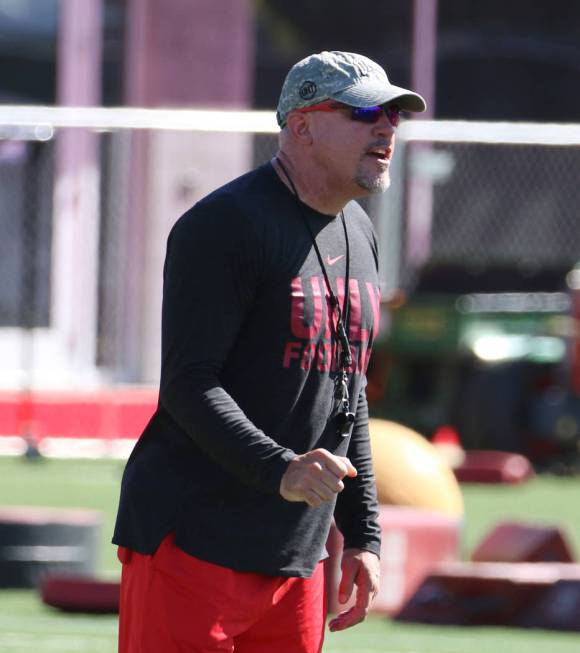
point(332, 261)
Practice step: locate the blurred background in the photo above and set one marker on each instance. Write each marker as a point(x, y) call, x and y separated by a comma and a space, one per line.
point(480, 247)
point(478, 232)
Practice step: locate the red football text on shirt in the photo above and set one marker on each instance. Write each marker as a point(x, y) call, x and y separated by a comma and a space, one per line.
point(313, 345)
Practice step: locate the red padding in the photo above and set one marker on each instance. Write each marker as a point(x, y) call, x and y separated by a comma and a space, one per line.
point(485, 593)
point(493, 467)
point(414, 541)
point(109, 413)
point(80, 594)
point(558, 608)
point(521, 542)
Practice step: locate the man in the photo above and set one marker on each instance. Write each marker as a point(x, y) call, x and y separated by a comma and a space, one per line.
point(261, 433)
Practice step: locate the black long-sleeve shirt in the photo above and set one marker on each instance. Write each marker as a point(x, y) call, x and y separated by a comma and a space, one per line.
point(247, 383)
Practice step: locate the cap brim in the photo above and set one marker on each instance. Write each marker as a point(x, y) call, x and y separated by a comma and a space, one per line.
point(372, 94)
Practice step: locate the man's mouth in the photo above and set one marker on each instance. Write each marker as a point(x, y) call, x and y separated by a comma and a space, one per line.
point(382, 154)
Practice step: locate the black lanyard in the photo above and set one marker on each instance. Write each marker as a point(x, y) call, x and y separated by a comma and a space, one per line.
point(340, 331)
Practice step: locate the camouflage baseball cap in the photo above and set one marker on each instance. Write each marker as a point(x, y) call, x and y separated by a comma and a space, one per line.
point(345, 77)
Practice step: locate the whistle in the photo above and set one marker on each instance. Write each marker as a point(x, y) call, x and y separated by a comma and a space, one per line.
point(345, 422)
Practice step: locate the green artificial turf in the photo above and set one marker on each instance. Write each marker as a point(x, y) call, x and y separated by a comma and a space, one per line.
point(27, 626)
point(547, 500)
point(92, 484)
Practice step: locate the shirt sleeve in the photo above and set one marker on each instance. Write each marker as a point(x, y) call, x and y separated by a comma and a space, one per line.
point(211, 275)
point(357, 510)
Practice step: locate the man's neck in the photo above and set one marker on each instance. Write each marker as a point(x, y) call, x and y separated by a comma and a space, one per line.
point(310, 187)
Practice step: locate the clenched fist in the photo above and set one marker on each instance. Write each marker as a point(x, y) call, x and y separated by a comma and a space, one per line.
point(315, 477)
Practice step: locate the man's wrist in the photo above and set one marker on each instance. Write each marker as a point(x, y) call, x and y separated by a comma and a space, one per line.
point(273, 470)
point(371, 547)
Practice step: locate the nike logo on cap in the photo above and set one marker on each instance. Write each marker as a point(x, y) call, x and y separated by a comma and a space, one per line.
point(332, 261)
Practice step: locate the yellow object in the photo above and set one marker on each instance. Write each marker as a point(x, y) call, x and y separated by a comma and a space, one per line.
point(410, 472)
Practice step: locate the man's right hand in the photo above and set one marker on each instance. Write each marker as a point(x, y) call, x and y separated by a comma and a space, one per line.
point(315, 477)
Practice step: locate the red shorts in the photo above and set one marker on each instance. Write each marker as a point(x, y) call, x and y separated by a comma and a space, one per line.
point(172, 601)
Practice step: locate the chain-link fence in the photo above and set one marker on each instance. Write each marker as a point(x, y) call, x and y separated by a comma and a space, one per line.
point(25, 223)
point(487, 203)
point(510, 204)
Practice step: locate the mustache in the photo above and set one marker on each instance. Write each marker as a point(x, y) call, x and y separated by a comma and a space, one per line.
point(380, 142)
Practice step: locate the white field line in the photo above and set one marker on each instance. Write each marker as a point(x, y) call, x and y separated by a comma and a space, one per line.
point(467, 648)
point(64, 644)
point(21, 641)
point(70, 447)
point(59, 623)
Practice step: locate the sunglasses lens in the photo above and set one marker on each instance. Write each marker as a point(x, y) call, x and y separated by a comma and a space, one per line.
point(372, 115)
point(366, 114)
point(394, 115)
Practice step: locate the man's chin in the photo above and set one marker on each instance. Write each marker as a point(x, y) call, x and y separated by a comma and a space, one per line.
point(373, 185)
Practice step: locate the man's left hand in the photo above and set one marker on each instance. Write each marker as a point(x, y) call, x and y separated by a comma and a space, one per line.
point(361, 569)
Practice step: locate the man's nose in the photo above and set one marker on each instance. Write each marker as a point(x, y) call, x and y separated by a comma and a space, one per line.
point(383, 126)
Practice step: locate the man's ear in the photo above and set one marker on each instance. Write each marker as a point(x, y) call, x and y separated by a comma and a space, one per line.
point(298, 126)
